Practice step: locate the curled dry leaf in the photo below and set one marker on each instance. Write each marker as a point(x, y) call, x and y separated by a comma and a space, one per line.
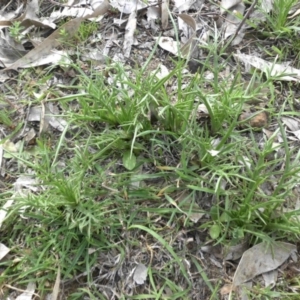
point(294, 14)
point(161, 72)
point(174, 47)
point(169, 45)
point(185, 49)
point(47, 115)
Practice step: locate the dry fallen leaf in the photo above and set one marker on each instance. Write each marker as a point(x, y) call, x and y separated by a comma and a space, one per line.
point(3, 250)
point(183, 5)
point(3, 211)
point(129, 34)
point(164, 14)
point(9, 146)
point(168, 44)
point(232, 23)
point(291, 123)
point(174, 47)
point(267, 5)
point(262, 258)
point(234, 252)
point(282, 72)
point(30, 17)
point(227, 4)
point(62, 35)
point(226, 289)
point(127, 6)
point(55, 291)
point(270, 278)
point(55, 39)
point(140, 274)
point(185, 49)
point(27, 295)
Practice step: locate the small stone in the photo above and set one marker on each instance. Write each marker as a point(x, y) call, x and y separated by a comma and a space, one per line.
point(254, 120)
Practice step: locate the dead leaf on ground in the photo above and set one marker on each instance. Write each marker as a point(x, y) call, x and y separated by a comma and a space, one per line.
point(44, 49)
point(140, 274)
point(262, 258)
point(183, 5)
point(270, 278)
point(164, 14)
point(291, 123)
point(27, 295)
point(185, 49)
point(55, 291)
point(175, 47)
point(129, 34)
point(47, 115)
point(10, 50)
point(30, 17)
point(42, 54)
point(232, 22)
point(227, 4)
point(4, 210)
point(99, 10)
point(226, 289)
point(3, 250)
point(127, 6)
point(168, 44)
point(280, 71)
point(267, 5)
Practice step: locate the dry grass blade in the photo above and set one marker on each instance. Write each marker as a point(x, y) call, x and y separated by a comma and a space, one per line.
point(55, 291)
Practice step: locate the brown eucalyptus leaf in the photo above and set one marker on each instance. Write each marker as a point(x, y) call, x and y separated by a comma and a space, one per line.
point(165, 14)
point(185, 49)
point(54, 40)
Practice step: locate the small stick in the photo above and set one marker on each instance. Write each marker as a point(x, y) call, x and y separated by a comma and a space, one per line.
point(244, 20)
point(66, 5)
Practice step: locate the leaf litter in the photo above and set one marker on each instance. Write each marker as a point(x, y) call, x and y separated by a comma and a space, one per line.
point(48, 52)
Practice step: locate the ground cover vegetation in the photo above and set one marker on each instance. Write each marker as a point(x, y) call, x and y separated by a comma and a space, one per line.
point(119, 181)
